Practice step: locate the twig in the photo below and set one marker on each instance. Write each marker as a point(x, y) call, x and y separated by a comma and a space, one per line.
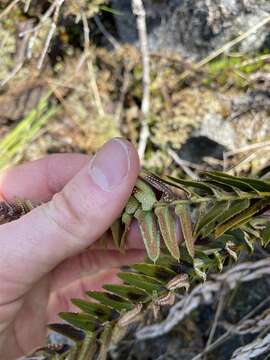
point(265, 145)
point(90, 67)
point(217, 315)
point(123, 91)
point(46, 45)
point(181, 163)
point(19, 60)
point(54, 8)
point(258, 324)
point(13, 73)
point(51, 32)
point(246, 160)
point(43, 20)
point(226, 47)
point(9, 8)
point(247, 148)
point(230, 331)
point(257, 59)
point(106, 33)
point(139, 12)
point(26, 5)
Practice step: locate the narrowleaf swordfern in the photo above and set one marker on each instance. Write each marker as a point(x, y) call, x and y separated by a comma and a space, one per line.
point(219, 216)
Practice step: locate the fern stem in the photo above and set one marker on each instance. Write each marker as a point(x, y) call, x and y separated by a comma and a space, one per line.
point(88, 347)
point(195, 200)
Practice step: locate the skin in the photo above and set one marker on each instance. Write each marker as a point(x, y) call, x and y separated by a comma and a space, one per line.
point(45, 257)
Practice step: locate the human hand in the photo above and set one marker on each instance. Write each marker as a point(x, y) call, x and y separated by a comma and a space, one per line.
point(44, 260)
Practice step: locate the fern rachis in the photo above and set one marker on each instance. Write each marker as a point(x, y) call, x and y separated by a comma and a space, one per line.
point(219, 215)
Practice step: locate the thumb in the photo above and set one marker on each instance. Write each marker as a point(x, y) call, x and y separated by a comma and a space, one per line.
point(72, 220)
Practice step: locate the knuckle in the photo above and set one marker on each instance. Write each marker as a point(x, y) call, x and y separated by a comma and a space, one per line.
point(65, 214)
point(87, 258)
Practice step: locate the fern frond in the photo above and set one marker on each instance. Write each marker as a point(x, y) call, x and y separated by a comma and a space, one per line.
point(219, 214)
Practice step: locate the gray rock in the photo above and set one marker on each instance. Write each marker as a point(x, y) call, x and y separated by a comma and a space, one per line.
point(194, 27)
point(249, 122)
point(216, 129)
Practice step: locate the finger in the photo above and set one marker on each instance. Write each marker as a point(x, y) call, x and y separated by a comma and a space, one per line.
point(90, 262)
point(75, 217)
point(39, 180)
point(60, 300)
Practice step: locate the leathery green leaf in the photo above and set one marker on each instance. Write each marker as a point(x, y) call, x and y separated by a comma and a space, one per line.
point(80, 320)
point(118, 233)
point(144, 282)
point(230, 210)
point(145, 195)
point(102, 312)
point(235, 207)
point(161, 273)
point(114, 301)
point(208, 219)
point(181, 184)
point(201, 185)
point(257, 185)
point(130, 209)
point(242, 217)
point(132, 205)
point(150, 233)
point(167, 261)
point(68, 331)
point(131, 293)
point(167, 224)
point(183, 212)
point(243, 184)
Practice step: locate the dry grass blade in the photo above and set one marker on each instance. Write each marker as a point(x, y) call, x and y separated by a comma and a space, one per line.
point(139, 12)
point(226, 47)
point(241, 218)
point(12, 145)
point(9, 8)
point(182, 163)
